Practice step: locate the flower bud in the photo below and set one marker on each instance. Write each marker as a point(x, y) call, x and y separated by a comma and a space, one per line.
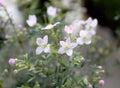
point(12, 61)
point(15, 71)
point(101, 83)
point(1, 4)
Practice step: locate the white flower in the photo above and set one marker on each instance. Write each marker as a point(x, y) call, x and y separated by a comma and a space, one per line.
point(91, 25)
point(50, 26)
point(32, 20)
point(42, 45)
point(67, 47)
point(52, 11)
point(68, 29)
point(85, 37)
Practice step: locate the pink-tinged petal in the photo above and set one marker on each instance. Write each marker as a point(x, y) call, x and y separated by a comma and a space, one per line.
point(61, 50)
point(79, 41)
point(94, 23)
point(52, 11)
point(68, 41)
point(88, 42)
point(62, 43)
point(89, 20)
point(32, 20)
point(68, 29)
point(39, 41)
point(39, 50)
point(73, 45)
point(45, 39)
point(82, 33)
point(69, 52)
point(47, 49)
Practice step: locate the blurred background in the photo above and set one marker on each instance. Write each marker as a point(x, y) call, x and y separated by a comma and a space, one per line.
point(107, 43)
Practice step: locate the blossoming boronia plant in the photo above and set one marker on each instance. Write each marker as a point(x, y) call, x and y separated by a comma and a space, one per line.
point(56, 61)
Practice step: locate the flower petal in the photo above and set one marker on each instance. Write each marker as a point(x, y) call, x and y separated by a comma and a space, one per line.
point(83, 32)
point(50, 26)
point(62, 43)
point(47, 49)
point(56, 24)
point(61, 50)
point(39, 41)
point(39, 50)
point(45, 39)
point(68, 41)
point(88, 42)
point(73, 45)
point(32, 20)
point(94, 23)
point(69, 52)
point(89, 20)
point(79, 41)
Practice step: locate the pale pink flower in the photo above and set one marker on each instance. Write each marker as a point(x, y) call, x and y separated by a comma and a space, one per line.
point(52, 11)
point(69, 29)
point(42, 45)
point(32, 20)
point(91, 25)
point(12, 61)
point(85, 37)
point(67, 47)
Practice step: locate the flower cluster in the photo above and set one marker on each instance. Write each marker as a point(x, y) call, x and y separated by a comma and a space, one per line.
point(87, 30)
point(85, 35)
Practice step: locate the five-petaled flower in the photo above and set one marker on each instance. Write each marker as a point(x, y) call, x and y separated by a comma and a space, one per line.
point(42, 45)
point(69, 29)
point(12, 61)
point(32, 20)
point(52, 11)
point(85, 37)
point(67, 47)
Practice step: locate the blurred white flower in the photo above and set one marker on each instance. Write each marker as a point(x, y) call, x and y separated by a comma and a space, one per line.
point(32, 20)
point(91, 25)
point(50, 26)
point(85, 37)
point(52, 11)
point(67, 47)
point(42, 45)
point(69, 29)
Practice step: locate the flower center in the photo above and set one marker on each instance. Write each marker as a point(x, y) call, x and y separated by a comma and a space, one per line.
point(67, 46)
point(43, 44)
point(84, 38)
